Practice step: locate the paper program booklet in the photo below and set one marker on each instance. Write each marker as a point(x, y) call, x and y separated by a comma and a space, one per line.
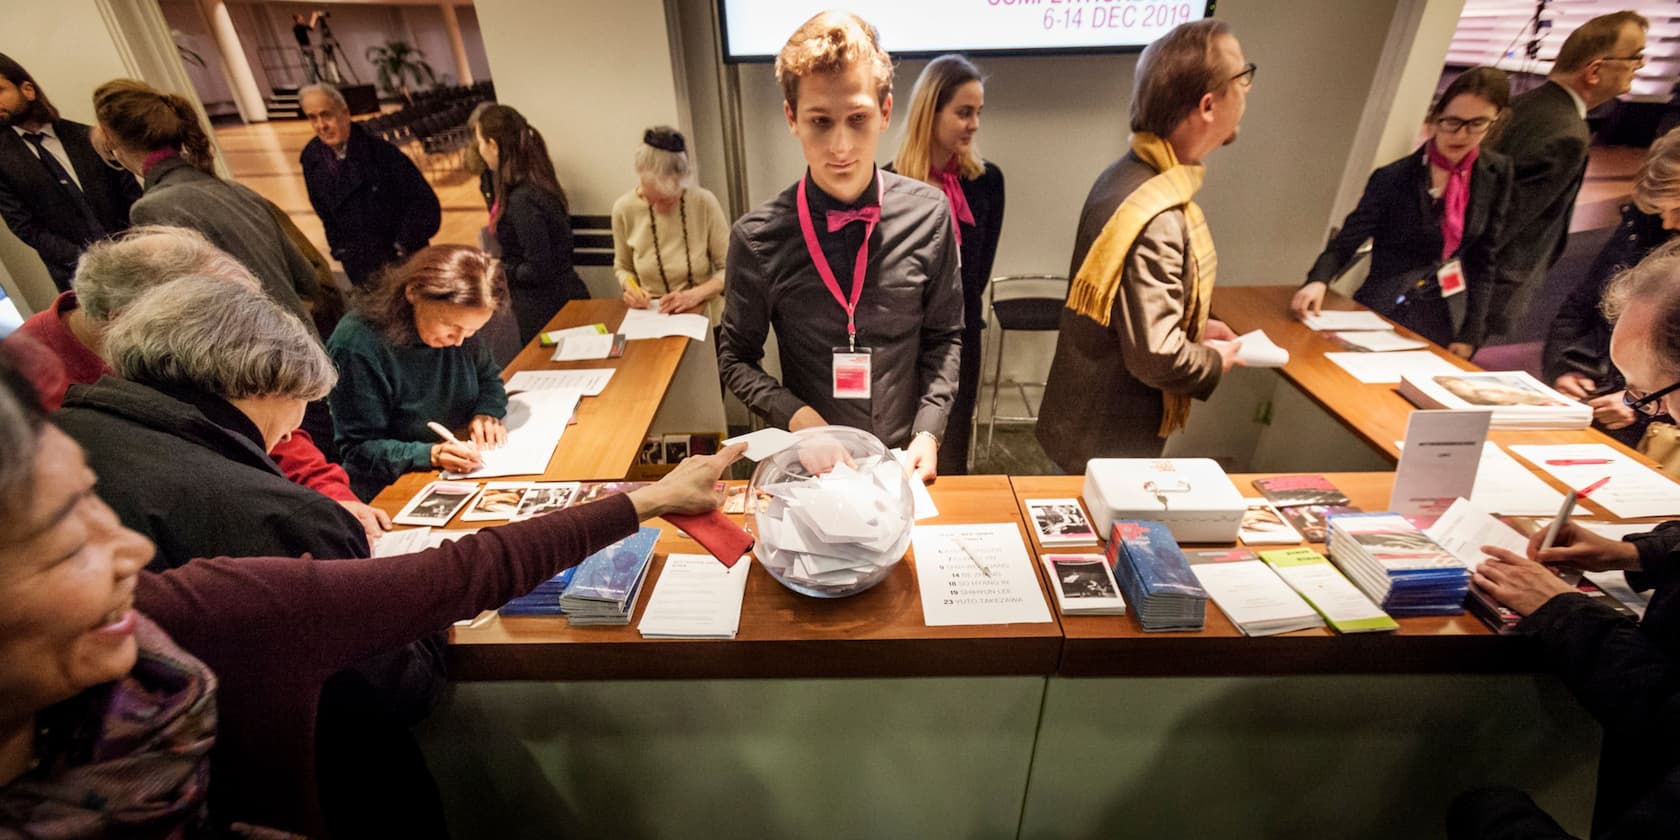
point(1517, 400)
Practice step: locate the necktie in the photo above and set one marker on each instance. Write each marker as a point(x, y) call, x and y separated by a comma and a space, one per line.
point(838, 219)
point(58, 173)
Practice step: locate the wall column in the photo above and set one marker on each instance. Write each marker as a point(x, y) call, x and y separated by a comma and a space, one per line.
point(458, 46)
point(247, 96)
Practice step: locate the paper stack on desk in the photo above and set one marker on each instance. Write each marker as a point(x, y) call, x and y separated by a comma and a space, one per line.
point(1342, 319)
point(1156, 577)
point(1398, 566)
point(831, 532)
point(535, 421)
point(696, 598)
point(1517, 400)
point(604, 589)
point(1250, 594)
point(646, 323)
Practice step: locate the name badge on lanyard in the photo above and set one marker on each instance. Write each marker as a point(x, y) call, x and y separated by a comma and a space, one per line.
point(852, 374)
point(1451, 278)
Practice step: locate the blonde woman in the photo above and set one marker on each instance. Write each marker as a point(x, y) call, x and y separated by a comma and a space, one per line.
point(669, 236)
point(939, 149)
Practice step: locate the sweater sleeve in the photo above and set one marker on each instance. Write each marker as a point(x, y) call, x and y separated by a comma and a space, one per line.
point(361, 408)
point(1619, 673)
point(746, 325)
point(320, 617)
point(1149, 307)
point(303, 464)
point(624, 261)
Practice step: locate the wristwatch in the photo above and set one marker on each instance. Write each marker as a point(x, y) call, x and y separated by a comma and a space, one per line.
point(930, 436)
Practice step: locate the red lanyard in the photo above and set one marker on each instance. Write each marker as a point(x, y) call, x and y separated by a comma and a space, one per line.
point(859, 269)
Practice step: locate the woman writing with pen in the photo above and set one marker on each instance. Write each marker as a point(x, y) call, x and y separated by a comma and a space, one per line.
point(407, 357)
point(669, 235)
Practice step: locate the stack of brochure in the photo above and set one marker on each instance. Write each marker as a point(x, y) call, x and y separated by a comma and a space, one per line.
point(605, 586)
point(1517, 400)
point(1155, 577)
point(1250, 593)
point(1398, 566)
point(544, 600)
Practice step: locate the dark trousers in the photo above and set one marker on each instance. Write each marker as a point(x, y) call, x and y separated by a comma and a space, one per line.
point(953, 450)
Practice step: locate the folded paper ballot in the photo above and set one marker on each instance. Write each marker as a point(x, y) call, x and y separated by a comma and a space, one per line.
point(1258, 350)
point(1341, 319)
point(830, 534)
point(1155, 577)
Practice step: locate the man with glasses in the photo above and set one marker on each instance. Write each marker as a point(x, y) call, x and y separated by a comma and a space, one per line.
point(1627, 675)
point(1136, 343)
point(1546, 138)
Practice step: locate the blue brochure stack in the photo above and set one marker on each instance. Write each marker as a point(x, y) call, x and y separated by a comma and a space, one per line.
point(1397, 565)
point(1156, 577)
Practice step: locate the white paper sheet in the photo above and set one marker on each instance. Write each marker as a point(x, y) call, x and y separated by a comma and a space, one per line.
point(1379, 341)
point(1634, 490)
point(1258, 350)
point(696, 597)
point(954, 589)
point(919, 495)
point(1467, 526)
point(764, 442)
point(589, 381)
point(1439, 463)
point(587, 329)
point(1386, 368)
point(535, 421)
point(580, 348)
point(1255, 598)
point(1338, 320)
point(411, 540)
point(646, 323)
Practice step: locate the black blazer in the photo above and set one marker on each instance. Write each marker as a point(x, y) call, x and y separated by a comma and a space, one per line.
point(535, 233)
point(38, 211)
point(1402, 220)
point(375, 205)
point(1546, 139)
point(1579, 340)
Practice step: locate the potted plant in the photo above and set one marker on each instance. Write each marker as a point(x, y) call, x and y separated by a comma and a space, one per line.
point(396, 61)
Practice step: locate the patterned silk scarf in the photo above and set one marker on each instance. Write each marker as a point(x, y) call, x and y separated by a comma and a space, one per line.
point(129, 758)
point(1099, 277)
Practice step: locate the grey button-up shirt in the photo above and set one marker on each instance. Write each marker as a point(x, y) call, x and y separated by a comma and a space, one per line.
point(910, 313)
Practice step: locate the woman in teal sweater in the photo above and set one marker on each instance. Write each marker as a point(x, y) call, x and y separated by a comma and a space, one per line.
point(407, 357)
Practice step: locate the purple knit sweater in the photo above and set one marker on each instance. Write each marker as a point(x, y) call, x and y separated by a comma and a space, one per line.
point(273, 629)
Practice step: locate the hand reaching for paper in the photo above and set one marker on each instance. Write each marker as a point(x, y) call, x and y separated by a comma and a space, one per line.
point(690, 488)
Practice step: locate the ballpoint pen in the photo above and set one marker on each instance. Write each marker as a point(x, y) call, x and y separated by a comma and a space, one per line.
point(963, 544)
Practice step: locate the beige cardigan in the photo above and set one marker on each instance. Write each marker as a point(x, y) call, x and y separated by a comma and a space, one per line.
point(708, 241)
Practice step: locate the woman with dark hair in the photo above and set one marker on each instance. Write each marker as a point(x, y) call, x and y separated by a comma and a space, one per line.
point(120, 688)
point(1435, 210)
point(157, 136)
point(939, 149)
point(530, 218)
point(407, 356)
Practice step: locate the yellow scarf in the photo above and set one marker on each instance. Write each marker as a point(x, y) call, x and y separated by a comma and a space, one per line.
point(1092, 294)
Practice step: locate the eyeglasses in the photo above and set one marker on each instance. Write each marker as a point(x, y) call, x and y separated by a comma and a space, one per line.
point(1244, 78)
point(1649, 405)
point(1637, 58)
point(1452, 125)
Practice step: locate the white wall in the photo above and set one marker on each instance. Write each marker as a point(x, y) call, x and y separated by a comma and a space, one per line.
point(70, 52)
point(590, 77)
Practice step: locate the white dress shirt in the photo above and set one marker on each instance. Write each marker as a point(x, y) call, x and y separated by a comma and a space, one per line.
point(50, 140)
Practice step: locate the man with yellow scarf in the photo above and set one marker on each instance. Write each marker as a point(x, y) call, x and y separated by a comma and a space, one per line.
point(1136, 342)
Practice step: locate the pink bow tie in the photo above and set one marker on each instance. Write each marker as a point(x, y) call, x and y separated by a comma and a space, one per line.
point(838, 219)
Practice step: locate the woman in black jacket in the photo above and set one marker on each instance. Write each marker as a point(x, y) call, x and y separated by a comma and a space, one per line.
point(1577, 356)
point(530, 218)
point(1443, 203)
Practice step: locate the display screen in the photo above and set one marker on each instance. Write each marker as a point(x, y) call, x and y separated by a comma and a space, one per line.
point(755, 30)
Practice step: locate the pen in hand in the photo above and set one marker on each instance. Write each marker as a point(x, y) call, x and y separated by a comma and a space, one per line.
point(465, 452)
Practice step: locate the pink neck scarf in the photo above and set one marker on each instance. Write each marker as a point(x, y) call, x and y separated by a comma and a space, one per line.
point(951, 181)
point(1454, 198)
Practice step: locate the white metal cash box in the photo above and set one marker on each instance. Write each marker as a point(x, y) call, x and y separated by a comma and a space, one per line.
point(1192, 496)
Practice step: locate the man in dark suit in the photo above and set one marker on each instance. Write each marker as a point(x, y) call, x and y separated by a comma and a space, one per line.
point(1546, 137)
point(56, 192)
point(376, 206)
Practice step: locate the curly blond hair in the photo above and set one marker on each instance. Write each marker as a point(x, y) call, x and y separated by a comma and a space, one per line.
point(831, 43)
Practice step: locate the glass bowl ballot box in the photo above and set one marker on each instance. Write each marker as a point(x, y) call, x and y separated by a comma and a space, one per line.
point(831, 513)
